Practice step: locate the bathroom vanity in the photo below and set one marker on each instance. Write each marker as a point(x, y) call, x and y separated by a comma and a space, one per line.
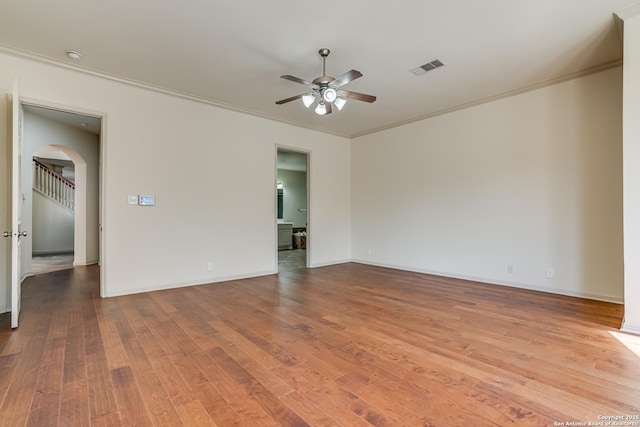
point(285, 235)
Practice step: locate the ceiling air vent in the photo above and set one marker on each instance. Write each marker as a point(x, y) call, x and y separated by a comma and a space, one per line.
point(436, 63)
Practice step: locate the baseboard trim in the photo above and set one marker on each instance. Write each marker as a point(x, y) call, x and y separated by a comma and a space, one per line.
point(84, 263)
point(50, 253)
point(629, 329)
point(327, 264)
point(564, 292)
point(166, 286)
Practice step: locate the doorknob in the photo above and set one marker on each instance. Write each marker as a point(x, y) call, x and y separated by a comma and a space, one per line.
point(18, 234)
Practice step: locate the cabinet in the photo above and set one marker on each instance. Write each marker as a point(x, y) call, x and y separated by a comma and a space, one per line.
point(285, 235)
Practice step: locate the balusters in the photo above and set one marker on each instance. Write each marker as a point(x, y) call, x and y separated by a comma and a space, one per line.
point(53, 185)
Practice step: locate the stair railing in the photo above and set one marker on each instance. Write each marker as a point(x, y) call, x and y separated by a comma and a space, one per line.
point(53, 185)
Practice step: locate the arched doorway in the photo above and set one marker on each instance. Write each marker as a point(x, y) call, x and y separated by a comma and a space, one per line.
point(51, 235)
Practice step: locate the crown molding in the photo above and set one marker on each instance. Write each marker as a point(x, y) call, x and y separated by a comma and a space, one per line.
point(507, 94)
point(550, 82)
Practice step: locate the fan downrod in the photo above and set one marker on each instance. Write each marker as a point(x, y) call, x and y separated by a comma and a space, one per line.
point(324, 52)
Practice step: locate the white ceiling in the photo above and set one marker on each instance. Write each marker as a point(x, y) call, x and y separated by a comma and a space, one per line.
point(232, 53)
point(81, 122)
point(291, 160)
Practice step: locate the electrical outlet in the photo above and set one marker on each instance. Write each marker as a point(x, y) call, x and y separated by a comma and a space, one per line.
point(550, 273)
point(209, 266)
point(510, 269)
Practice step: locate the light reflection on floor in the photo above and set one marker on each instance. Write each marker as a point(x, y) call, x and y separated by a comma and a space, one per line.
point(41, 264)
point(292, 259)
point(632, 342)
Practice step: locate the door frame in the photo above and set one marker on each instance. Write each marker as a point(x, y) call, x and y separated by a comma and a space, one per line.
point(15, 234)
point(307, 153)
point(102, 175)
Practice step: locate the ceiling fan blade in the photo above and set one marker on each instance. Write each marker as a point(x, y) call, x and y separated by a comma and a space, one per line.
point(293, 98)
point(345, 78)
point(356, 95)
point(297, 80)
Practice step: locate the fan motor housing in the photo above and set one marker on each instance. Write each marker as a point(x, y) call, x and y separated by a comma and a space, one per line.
point(323, 81)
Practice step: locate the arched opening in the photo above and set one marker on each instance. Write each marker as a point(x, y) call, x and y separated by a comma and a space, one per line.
point(79, 198)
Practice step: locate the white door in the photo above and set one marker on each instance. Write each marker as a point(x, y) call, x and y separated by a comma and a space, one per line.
point(16, 232)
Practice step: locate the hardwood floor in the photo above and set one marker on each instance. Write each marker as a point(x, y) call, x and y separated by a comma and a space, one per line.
point(41, 264)
point(345, 345)
point(292, 259)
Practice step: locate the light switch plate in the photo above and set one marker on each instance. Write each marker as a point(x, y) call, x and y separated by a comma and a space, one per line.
point(133, 200)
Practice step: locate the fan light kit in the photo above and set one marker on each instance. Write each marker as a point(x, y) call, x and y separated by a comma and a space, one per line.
point(327, 90)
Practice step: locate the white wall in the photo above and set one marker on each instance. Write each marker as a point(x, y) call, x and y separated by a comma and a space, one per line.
point(631, 147)
point(294, 196)
point(533, 181)
point(52, 226)
point(184, 152)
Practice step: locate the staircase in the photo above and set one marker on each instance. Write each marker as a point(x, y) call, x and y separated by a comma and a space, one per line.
point(51, 184)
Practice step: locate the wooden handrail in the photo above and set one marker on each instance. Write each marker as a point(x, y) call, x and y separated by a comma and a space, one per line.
point(52, 172)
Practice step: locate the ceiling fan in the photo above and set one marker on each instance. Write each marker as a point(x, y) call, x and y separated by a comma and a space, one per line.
point(326, 89)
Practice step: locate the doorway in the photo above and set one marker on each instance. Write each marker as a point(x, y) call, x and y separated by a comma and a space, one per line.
point(65, 147)
point(53, 211)
point(292, 200)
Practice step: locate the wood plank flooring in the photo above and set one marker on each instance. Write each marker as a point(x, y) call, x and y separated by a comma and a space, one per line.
point(292, 259)
point(345, 345)
point(41, 264)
